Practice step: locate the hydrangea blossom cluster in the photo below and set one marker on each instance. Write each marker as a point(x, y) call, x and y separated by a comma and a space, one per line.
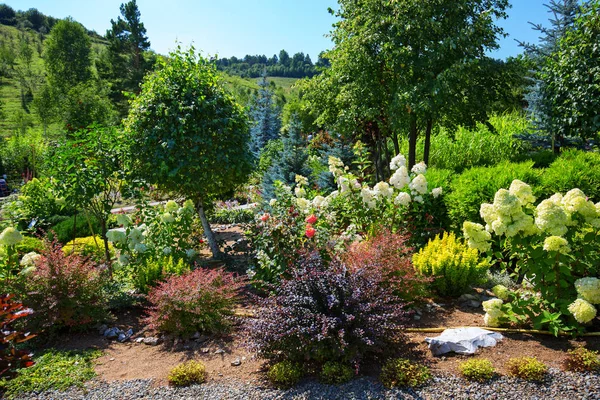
point(494, 313)
point(477, 237)
point(10, 236)
point(583, 311)
point(588, 289)
point(558, 244)
point(502, 292)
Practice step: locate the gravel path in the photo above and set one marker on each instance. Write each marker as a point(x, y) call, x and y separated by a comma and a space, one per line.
point(558, 385)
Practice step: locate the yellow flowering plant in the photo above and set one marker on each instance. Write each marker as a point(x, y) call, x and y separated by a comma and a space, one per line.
point(553, 245)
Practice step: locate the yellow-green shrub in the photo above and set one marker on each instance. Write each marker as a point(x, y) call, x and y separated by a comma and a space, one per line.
point(336, 373)
point(402, 372)
point(151, 271)
point(452, 263)
point(477, 369)
point(90, 246)
point(582, 360)
point(187, 373)
point(285, 374)
point(528, 368)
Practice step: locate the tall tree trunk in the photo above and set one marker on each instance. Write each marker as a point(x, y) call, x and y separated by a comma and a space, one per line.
point(396, 143)
point(412, 142)
point(106, 248)
point(427, 145)
point(210, 236)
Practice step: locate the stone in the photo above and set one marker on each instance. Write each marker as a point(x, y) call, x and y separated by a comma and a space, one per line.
point(152, 341)
point(139, 340)
point(219, 351)
point(417, 317)
point(466, 297)
point(205, 350)
point(473, 304)
point(236, 363)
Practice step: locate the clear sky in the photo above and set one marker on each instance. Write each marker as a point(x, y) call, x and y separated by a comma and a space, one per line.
point(240, 27)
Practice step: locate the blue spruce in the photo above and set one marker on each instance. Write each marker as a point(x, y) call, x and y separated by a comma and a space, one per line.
point(265, 114)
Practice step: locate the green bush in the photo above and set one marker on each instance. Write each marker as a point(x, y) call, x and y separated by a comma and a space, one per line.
point(90, 246)
point(152, 271)
point(187, 373)
point(582, 360)
point(528, 368)
point(573, 169)
point(63, 231)
point(479, 185)
point(29, 244)
point(335, 373)
point(478, 369)
point(452, 263)
point(478, 146)
point(402, 372)
point(285, 374)
point(226, 215)
point(54, 370)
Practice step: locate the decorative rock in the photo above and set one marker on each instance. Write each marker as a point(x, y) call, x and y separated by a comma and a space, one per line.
point(152, 341)
point(205, 350)
point(219, 351)
point(467, 297)
point(473, 304)
point(139, 340)
point(417, 317)
point(236, 363)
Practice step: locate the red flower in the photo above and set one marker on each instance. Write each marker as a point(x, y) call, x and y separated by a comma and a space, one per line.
point(265, 217)
point(310, 231)
point(311, 219)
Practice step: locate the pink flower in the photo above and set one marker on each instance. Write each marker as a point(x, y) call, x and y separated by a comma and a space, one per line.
point(310, 231)
point(311, 219)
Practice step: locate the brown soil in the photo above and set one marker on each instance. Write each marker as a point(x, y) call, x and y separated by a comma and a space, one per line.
point(139, 361)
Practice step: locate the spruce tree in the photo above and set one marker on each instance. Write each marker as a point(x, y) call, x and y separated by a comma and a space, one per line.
point(266, 116)
point(564, 13)
point(290, 162)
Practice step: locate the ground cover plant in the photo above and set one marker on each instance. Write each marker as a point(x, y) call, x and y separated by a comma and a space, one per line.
point(527, 368)
point(285, 374)
point(582, 360)
point(477, 369)
point(58, 370)
point(187, 373)
point(400, 372)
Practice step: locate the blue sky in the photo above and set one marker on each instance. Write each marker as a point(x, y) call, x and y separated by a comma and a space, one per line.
point(239, 27)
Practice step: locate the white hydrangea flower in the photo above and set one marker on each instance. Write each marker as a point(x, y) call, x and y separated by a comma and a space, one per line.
point(589, 289)
point(29, 259)
point(557, 243)
point(336, 166)
point(491, 320)
point(492, 304)
point(272, 202)
point(136, 236)
point(124, 259)
point(397, 162)
point(583, 311)
point(575, 201)
point(10, 236)
point(403, 199)
point(400, 178)
point(188, 204)
point(167, 218)
point(551, 217)
point(303, 204)
point(418, 199)
point(171, 206)
point(477, 237)
point(522, 191)
point(419, 168)
point(301, 180)
point(299, 191)
point(368, 197)
point(140, 247)
point(318, 201)
point(343, 184)
point(419, 184)
point(382, 190)
point(436, 192)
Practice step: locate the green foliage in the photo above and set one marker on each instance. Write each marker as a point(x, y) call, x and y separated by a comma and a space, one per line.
point(54, 370)
point(335, 373)
point(149, 272)
point(37, 201)
point(90, 246)
point(399, 372)
point(452, 263)
point(226, 215)
point(67, 54)
point(187, 373)
point(477, 369)
point(571, 75)
point(187, 134)
point(64, 232)
point(285, 374)
point(479, 185)
point(23, 153)
point(581, 360)
point(573, 169)
point(527, 368)
point(29, 244)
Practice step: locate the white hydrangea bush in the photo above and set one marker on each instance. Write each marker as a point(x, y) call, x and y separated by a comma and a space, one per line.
point(554, 244)
point(155, 232)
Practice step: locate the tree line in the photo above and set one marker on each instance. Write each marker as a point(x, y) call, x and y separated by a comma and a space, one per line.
point(299, 65)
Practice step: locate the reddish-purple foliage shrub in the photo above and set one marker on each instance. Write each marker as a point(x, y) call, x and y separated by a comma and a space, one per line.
point(11, 358)
point(199, 301)
point(65, 291)
point(327, 313)
point(389, 255)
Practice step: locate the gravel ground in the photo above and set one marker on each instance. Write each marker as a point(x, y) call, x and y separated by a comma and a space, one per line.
point(558, 385)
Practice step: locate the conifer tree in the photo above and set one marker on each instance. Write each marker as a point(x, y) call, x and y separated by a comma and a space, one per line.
point(266, 116)
point(291, 161)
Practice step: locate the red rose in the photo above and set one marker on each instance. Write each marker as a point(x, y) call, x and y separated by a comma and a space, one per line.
point(265, 217)
point(310, 231)
point(311, 219)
